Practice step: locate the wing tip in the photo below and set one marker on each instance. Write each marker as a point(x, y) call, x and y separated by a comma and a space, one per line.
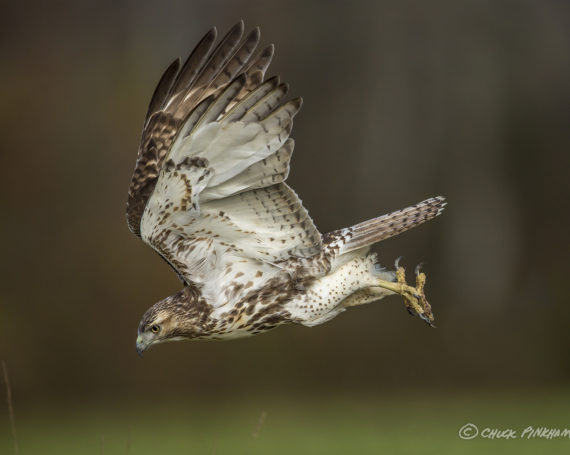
point(211, 35)
point(256, 32)
point(268, 51)
point(237, 29)
point(297, 103)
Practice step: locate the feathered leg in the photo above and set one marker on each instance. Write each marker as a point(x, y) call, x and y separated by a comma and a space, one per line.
point(365, 296)
point(414, 298)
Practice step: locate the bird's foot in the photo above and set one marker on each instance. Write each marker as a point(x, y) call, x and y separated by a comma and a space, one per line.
point(414, 297)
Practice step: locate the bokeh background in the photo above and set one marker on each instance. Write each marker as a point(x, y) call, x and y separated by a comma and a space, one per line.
point(403, 100)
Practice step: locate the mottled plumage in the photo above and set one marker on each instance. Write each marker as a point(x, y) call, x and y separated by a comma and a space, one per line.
point(209, 195)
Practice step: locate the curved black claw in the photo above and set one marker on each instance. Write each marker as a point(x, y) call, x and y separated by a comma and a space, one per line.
point(418, 268)
point(424, 318)
point(397, 262)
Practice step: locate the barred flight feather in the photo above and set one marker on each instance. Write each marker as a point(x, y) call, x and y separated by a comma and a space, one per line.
point(377, 229)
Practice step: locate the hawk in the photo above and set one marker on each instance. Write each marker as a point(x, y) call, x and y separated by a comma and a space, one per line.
point(208, 194)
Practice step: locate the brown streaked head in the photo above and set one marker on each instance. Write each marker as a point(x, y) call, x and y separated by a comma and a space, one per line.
point(178, 317)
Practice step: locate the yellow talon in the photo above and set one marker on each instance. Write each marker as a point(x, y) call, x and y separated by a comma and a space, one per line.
point(414, 298)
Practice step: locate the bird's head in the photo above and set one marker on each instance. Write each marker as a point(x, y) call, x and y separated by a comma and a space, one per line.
point(178, 317)
point(156, 326)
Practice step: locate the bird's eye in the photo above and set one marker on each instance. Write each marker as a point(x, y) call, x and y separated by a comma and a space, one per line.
point(155, 328)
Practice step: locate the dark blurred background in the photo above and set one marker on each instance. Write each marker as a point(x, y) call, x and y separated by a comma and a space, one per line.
point(403, 100)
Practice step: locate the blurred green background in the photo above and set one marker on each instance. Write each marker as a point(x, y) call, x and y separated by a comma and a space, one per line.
point(403, 100)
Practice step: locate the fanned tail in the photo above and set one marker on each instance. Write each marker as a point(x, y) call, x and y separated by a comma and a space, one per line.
point(372, 231)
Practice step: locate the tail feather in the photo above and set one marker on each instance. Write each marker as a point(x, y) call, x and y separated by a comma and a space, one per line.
point(372, 231)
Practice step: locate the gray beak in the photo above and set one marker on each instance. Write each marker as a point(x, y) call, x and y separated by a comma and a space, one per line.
point(141, 346)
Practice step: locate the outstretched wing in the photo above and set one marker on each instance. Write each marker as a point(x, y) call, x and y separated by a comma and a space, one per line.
point(208, 193)
point(206, 72)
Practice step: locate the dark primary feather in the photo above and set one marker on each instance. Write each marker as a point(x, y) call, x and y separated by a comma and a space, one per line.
point(219, 58)
point(163, 89)
point(195, 61)
point(207, 71)
point(238, 60)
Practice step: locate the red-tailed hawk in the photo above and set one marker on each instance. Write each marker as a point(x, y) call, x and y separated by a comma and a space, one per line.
point(209, 195)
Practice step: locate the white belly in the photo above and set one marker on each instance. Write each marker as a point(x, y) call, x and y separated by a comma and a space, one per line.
point(324, 299)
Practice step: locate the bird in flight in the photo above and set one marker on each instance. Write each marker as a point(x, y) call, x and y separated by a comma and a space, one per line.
point(208, 194)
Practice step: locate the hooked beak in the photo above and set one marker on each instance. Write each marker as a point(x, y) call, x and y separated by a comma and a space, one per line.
point(141, 346)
